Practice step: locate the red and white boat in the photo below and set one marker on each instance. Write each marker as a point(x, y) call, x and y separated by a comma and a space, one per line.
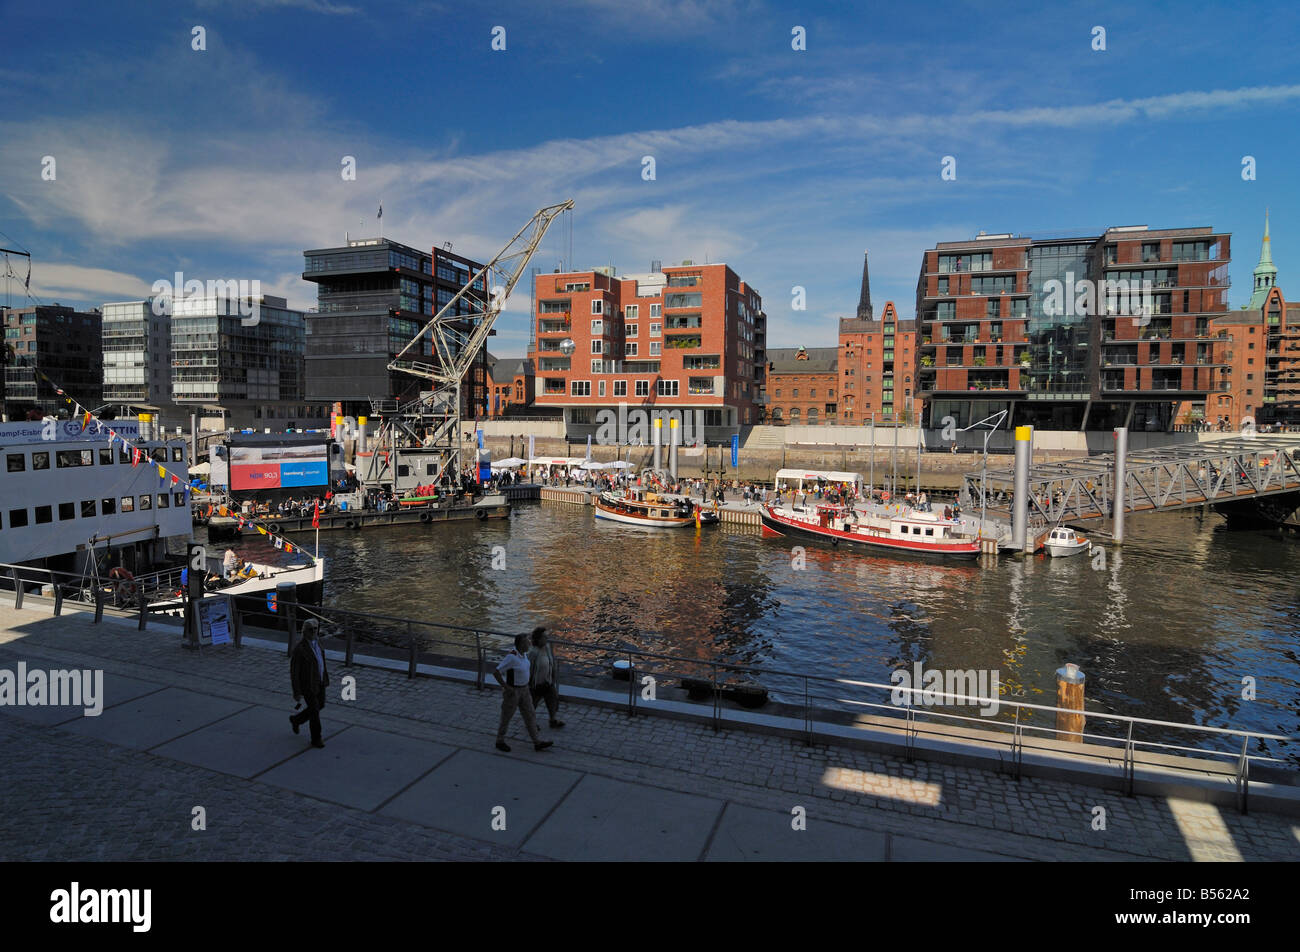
point(902, 530)
point(639, 508)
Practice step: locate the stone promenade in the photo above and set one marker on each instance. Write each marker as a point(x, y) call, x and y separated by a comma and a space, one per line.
point(409, 772)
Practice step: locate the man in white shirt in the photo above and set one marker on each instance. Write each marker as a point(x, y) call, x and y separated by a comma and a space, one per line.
point(515, 694)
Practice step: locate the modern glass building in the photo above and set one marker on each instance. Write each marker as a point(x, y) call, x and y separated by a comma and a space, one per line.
point(373, 296)
point(137, 359)
point(59, 342)
point(1071, 333)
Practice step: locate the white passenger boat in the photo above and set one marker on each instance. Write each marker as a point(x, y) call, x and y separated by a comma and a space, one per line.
point(1062, 542)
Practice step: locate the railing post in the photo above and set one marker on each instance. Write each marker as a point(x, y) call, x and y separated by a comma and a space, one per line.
point(631, 686)
point(350, 647)
point(144, 604)
point(717, 697)
point(1243, 777)
point(236, 624)
point(99, 604)
point(18, 591)
point(807, 714)
point(1017, 743)
point(1130, 762)
point(58, 599)
point(410, 639)
point(478, 653)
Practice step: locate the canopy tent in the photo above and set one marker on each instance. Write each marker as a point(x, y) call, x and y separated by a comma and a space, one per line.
point(618, 464)
point(593, 464)
point(557, 461)
point(201, 469)
point(797, 477)
point(510, 462)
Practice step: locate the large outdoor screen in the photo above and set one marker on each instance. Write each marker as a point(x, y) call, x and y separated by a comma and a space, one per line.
point(278, 467)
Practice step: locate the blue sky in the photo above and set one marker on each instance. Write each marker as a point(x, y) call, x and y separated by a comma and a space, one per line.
point(786, 164)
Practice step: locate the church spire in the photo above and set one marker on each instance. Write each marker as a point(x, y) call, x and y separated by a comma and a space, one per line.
point(1265, 271)
point(864, 299)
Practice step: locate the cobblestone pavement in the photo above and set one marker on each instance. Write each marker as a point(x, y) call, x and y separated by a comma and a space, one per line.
point(71, 796)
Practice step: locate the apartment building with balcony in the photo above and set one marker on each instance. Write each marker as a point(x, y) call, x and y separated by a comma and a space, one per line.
point(1047, 328)
point(372, 297)
point(679, 338)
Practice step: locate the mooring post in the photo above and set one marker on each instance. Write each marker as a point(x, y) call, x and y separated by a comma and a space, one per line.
point(1121, 469)
point(1020, 508)
point(1069, 695)
point(658, 428)
point(674, 437)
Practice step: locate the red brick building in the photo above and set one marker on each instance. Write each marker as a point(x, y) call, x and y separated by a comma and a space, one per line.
point(511, 385)
point(802, 386)
point(685, 338)
point(878, 369)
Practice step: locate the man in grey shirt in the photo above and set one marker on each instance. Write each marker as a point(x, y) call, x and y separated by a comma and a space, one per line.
point(515, 694)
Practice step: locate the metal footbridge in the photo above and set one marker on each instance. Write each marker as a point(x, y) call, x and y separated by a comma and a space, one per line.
point(1251, 479)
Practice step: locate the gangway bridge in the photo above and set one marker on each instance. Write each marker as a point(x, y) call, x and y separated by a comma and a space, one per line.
point(1252, 480)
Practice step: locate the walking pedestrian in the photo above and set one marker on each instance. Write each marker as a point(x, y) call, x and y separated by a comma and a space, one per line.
point(543, 681)
point(309, 677)
point(514, 694)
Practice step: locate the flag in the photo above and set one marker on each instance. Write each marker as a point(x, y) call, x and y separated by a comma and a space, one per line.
point(288, 547)
point(85, 421)
point(135, 456)
point(279, 543)
point(315, 516)
point(262, 529)
point(381, 211)
point(175, 479)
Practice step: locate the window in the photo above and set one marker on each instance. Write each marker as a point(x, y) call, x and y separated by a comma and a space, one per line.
point(597, 306)
point(643, 388)
point(812, 391)
point(163, 501)
point(66, 458)
point(106, 457)
point(598, 327)
point(16, 462)
point(128, 504)
point(631, 330)
point(667, 388)
point(17, 518)
point(629, 348)
point(123, 455)
point(656, 348)
point(597, 346)
point(108, 506)
point(178, 454)
point(778, 391)
point(580, 388)
point(620, 388)
point(146, 502)
point(88, 509)
point(40, 461)
point(178, 499)
point(630, 312)
point(44, 514)
point(656, 328)
point(159, 454)
point(794, 392)
point(656, 310)
point(67, 510)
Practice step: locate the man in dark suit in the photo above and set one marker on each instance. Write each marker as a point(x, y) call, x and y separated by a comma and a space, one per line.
point(310, 678)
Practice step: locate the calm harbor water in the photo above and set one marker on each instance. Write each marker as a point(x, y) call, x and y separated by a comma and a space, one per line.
point(1167, 630)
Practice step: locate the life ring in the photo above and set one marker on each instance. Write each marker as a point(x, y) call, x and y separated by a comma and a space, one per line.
point(123, 583)
point(352, 523)
point(425, 517)
point(276, 530)
point(480, 514)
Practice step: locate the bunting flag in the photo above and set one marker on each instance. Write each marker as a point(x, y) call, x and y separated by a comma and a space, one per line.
point(85, 421)
point(287, 546)
point(262, 529)
point(279, 543)
point(135, 456)
point(175, 479)
point(315, 516)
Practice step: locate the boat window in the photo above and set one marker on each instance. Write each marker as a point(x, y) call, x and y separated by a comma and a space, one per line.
point(109, 506)
point(929, 532)
point(16, 462)
point(146, 502)
point(67, 510)
point(160, 454)
point(44, 514)
point(178, 499)
point(403, 470)
point(163, 501)
point(66, 458)
point(88, 509)
point(105, 456)
point(124, 455)
point(178, 454)
point(17, 518)
point(429, 468)
point(128, 504)
point(40, 461)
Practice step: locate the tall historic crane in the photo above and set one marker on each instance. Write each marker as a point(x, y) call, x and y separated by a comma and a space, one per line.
point(435, 418)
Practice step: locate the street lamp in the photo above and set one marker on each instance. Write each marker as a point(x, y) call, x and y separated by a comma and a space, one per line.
point(989, 429)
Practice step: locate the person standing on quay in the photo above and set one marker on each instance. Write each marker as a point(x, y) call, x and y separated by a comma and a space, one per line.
point(514, 694)
point(309, 677)
point(543, 680)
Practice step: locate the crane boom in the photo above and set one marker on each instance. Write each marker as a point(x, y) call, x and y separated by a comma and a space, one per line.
point(456, 353)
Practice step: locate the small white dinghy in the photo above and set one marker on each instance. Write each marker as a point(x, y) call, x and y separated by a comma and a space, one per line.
point(1062, 542)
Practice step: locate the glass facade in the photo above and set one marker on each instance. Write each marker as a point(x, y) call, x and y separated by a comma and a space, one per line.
point(1058, 343)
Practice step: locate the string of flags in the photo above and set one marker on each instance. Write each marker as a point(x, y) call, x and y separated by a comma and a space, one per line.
point(164, 475)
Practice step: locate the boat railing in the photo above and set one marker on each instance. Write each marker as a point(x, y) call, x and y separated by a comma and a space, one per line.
point(818, 706)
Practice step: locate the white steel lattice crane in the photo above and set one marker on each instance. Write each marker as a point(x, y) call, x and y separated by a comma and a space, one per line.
point(458, 338)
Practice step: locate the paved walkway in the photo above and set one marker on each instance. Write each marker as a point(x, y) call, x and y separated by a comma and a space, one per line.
point(409, 772)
